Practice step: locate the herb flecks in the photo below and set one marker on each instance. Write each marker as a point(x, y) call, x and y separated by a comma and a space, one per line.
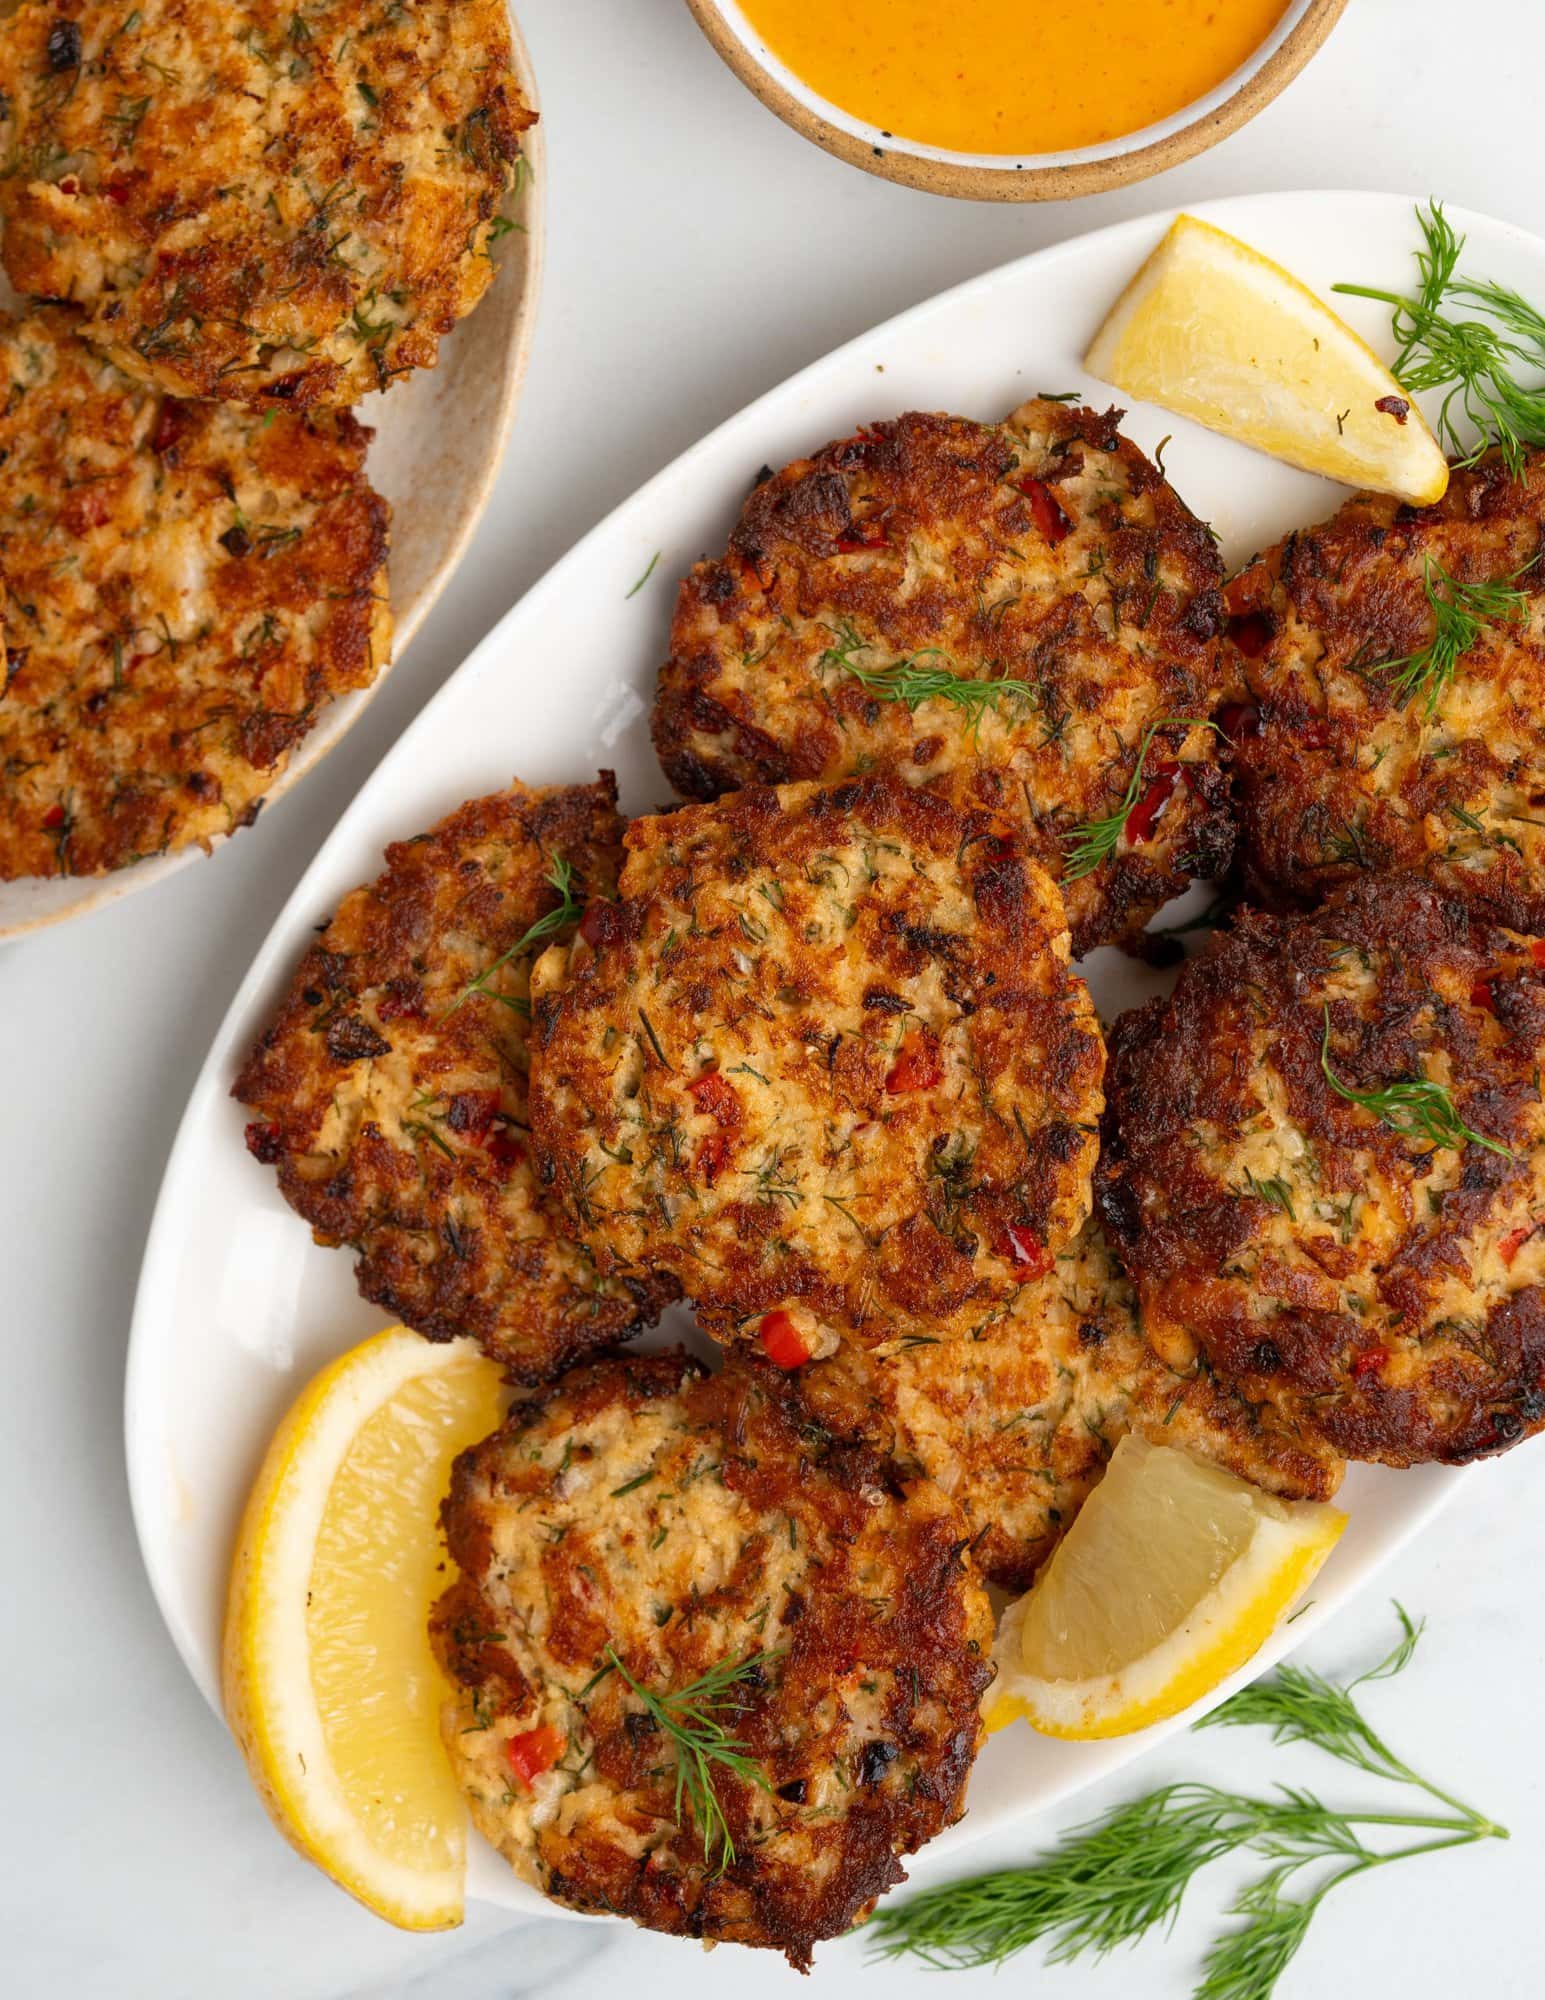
point(908, 681)
point(1416, 1107)
point(1095, 840)
point(1274, 1191)
point(560, 877)
point(1462, 615)
point(649, 572)
point(1111, 1882)
point(1466, 336)
point(694, 1720)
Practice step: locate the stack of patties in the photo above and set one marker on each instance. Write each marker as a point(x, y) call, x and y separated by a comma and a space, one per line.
point(812, 1056)
point(253, 229)
point(651, 1556)
point(825, 1064)
point(1322, 1162)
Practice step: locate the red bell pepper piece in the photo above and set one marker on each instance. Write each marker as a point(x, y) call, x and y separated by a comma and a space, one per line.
point(917, 1065)
point(1153, 804)
point(535, 1751)
point(1026, 1252)
point(782, 1341)
point(1045, 510)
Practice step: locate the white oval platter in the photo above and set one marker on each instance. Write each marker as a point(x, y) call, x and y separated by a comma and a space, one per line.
point(236, 1307)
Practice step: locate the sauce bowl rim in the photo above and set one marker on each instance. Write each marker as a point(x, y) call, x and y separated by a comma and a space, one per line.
point(1054, 176)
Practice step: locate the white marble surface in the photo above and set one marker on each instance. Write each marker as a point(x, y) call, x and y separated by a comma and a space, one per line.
point(698, 253)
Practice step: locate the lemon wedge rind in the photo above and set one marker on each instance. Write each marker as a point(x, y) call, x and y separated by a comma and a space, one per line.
point(1214, 331)
point(1178, 1652)
point(359, 1463)
point(1197, 1658)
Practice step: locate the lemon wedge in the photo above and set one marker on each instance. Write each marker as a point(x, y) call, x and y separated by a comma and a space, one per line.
point(1172, 1576)
point(1211, 329)
point(330, 1686)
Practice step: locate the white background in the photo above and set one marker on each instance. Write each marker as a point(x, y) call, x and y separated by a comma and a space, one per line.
point(698, 252)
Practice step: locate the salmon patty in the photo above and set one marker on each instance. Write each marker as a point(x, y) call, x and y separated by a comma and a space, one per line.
point(825, 1063)
point(1002, 612)
point(188, 587)
point(271, 203)
point(654, 1560)
point(1366, 738)
point(1017, 1425)
point(1325, 1170)
point(390, 1091)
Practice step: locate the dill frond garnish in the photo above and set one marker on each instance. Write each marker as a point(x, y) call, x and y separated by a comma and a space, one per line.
point(1300, 1706)
point(908, 681)
point(692, 1718)
point(559, 876)
point(1095, 840)
point(1416, 1106)
point(1462, 614)
point(1116, 1879)
point(1467, 336)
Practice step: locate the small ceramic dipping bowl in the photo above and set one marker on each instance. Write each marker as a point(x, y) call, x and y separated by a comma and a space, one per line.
point(1035, 176)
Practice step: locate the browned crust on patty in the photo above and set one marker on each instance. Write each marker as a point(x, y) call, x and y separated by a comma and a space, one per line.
point(1047, 551)
point(686, 1521)
point(391, 1094)
point(1337, 775)
point(1387, 1293)
point(254, 201)
point(1018, 1425)
point(824, 1052)
point(188, 587)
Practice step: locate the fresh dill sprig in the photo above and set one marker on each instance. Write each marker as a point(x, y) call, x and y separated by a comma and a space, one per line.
point(1469, 354)
point(1116, 1879)
point(906, 680)
point(559, 876)
point(1300, 1706)
point(692, 1718)
point(1461, 614)
point(1095, 840)
point(1416, 1106)
point(1106, 1883)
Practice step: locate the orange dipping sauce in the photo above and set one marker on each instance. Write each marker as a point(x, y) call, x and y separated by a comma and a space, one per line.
point(1013, 76)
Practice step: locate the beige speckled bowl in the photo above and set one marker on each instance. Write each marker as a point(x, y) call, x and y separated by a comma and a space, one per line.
point(439, 439)
point(1005, 177)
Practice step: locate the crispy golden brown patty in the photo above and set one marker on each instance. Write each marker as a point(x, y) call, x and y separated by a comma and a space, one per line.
point(390, 1090)
point(824, 1054)
point(1017, 1425)
point(645, 1515)
point(258, 200)
point(187, 585)
point(1338, 770)
point(1047, 553)
point(1385, 1290)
